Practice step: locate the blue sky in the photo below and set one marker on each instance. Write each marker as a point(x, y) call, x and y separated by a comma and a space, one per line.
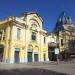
point(48, 9)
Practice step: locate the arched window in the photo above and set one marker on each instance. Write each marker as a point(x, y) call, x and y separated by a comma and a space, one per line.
point(33, 36)
point(34, 26)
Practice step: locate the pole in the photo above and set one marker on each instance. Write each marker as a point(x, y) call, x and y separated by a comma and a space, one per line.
point(57, 51)
point(58, 62)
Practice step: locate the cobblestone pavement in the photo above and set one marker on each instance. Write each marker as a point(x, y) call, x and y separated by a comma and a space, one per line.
point(49, 68)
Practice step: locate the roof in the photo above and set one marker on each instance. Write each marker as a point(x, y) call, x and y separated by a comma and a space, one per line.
point(63, 19)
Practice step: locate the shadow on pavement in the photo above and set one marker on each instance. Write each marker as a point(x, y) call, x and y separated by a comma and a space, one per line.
point(33, 71)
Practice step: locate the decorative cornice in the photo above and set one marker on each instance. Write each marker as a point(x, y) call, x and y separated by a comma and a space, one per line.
point(29, 13)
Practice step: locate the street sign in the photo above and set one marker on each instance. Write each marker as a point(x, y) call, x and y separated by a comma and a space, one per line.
point(56, 50)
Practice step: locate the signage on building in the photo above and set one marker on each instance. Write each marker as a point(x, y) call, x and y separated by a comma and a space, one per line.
point(56, 50)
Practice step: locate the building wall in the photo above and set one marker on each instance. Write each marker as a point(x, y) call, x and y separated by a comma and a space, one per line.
point(67, 36)
point(24, 44)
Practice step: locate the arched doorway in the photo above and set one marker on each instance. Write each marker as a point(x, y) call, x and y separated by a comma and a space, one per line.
point(16, 56)
point(29, 55)
point(36, 58)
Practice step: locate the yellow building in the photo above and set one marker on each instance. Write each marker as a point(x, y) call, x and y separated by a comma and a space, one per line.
point(23, 39)
point(67, 41)
point(65, 31)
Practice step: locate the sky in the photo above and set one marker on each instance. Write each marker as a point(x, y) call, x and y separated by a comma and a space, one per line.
point(49, 10)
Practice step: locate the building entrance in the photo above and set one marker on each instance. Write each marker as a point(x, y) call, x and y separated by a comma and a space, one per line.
point(17, 50)
point(16, 56)
point(35, 57)
point(29, 56)
point(44, 57)
point(1, 54)
point(52, 56)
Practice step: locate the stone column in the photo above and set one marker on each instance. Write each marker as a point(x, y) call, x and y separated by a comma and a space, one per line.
point(32, 56)
point(21, 55)
point(47, 58)
point(25, 55)
point(7, 41)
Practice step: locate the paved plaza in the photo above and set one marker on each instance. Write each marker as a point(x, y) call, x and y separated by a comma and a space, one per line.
point(38, 69)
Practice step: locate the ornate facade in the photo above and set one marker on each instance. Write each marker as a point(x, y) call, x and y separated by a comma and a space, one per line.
point(65, 31)
point(23, 39)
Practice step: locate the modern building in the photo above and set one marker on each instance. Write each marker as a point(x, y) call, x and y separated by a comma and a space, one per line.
point(23, 39)
point(65, 32)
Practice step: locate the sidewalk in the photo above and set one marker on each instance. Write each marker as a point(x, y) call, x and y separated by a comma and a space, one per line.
point(63, 67)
